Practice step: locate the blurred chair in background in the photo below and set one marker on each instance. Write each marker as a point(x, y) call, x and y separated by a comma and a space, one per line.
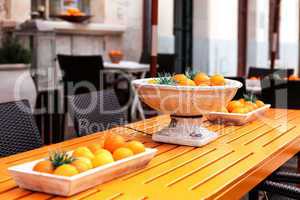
point(96, 111)
point(18, 131)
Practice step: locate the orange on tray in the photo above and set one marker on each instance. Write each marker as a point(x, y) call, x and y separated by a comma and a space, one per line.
point(135, 146)
point(122, 152)
point(94, 147)
point(88, 157)
point(102, 159)
point(113, 141)
point(44, 166)
point(244, 105)
point(66, 170)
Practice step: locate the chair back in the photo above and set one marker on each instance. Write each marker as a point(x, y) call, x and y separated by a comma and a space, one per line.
point(95, 111)
point(18, 131)
point(281, 93)
point(81, 74)
point(263, 72)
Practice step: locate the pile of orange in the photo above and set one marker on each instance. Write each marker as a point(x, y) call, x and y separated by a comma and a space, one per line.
point(74, 12)
point(294, 78)
point(254, 78)
point(115, 53)
point(115, 56)
point(88, 157)
point(243, 106)
point(197, 79)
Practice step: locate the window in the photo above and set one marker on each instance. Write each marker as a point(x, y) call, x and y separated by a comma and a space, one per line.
point(56, 7)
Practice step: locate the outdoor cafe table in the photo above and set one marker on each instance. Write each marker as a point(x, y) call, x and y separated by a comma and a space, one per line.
point(227, 168)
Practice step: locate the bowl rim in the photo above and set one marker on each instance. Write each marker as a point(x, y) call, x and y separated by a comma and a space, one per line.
point(230, 84)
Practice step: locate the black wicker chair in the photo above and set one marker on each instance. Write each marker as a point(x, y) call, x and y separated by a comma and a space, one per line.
point(78, 70)
point(279, 183)
point(18, 131)
point(288, 91)
point(263, 72)
point(96, 111)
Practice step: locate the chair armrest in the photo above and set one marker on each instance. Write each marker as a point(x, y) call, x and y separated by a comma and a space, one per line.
point(284, 176)
point(280, 189)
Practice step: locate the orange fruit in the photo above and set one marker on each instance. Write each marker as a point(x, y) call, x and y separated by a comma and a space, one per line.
point(44, 166)
point(122, 153)
point(94, 147)
point(242, 100)
point(82, 164)
point(66, 170)
point(253, 78)
point(217, 80)
point(293, 78)
point(259, 103)
point(102, 159)
point(201, 79)
point(99, 151)
point(240, 110)
point(112, 142)
point(248, 108)
point(203, 84)
point(135, 146)
point(152, 81)
point(178, 78)
point(187, 82)
point(251, 105)
point(83, 152)
point(234, 104)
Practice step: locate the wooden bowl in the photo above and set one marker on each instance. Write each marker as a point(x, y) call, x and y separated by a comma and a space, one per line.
point(186, 101)
point(74, 19)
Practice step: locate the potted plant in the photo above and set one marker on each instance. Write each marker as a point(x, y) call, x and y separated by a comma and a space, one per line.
point(15, 78)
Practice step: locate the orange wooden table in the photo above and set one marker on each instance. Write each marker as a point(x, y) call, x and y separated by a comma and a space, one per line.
point(227, 168)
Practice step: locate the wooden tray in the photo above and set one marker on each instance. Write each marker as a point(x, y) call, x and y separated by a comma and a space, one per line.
point(235, 118)
point(67, 186)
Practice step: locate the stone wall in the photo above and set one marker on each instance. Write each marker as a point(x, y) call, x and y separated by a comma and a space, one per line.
point(3, 15)
point(3, 11)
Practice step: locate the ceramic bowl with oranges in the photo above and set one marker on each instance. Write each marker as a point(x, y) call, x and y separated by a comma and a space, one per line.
point(67, 173)
point(240, 111)
point(190, 94)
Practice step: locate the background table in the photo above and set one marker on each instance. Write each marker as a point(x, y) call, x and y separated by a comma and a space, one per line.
point(227, 168)
point(133, 70)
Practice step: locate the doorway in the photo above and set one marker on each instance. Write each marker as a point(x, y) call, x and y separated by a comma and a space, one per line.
point(183, 31)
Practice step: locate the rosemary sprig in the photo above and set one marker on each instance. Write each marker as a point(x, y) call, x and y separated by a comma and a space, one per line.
point(190, 73)
point(250, 97)
point(165, 79)
point(59, 158)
